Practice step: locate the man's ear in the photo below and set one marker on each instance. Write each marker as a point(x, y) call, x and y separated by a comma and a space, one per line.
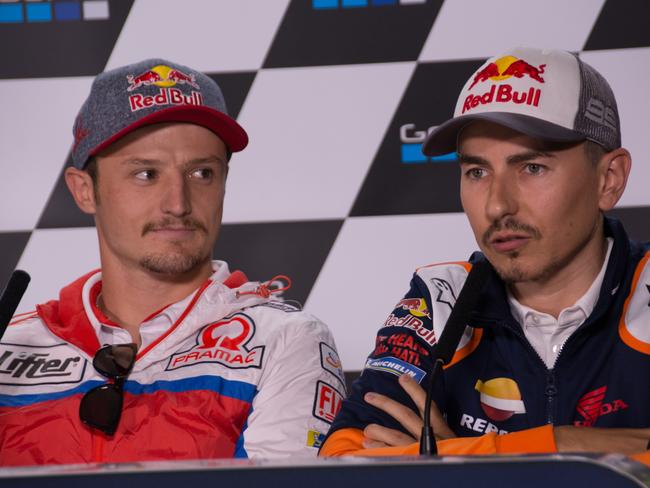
point(82, 189)
point(615, 168)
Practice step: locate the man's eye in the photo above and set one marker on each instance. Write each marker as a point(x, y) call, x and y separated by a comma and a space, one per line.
point(202, 173)
point(475, 173)
point(146, 174)
point(534, 168)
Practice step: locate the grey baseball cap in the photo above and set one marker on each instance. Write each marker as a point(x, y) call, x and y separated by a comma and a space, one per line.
point(547, 94)
point(150, 92)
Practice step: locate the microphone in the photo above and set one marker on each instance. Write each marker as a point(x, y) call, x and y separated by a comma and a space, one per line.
point(448, 342)
point(11, 297)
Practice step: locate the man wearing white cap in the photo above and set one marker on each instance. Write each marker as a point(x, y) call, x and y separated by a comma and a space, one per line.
point(163, 353)
point(558, 344)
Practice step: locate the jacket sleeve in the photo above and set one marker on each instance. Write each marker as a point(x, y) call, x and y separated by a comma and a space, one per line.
point(403, 346)
point(539, 440)
point(300, 391)
point(643, 457)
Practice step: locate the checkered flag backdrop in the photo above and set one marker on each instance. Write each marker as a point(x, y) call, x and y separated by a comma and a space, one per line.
point(337, 97)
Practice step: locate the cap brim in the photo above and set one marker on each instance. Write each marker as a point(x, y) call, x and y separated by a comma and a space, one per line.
point(444, 138)
point(228, 130)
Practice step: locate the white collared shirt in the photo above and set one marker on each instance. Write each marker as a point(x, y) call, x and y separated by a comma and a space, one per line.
point(154, 326)
point(547, 334)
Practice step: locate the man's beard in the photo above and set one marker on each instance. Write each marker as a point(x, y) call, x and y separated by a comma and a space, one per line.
point(513, 271)
point(178, 261)
point(173, 263)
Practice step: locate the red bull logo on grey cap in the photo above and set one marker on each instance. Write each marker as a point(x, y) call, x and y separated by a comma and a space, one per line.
point(161, 75)
point(165, 77)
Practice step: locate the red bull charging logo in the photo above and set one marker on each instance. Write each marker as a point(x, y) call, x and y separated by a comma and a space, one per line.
point(503, 69)
point(416, 306)
point(164, 77)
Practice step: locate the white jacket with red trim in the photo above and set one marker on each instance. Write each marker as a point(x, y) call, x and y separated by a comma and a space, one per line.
point(222, 373)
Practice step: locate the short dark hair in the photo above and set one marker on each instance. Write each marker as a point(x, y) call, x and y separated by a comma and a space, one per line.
point(594, 152)
point(93, 171)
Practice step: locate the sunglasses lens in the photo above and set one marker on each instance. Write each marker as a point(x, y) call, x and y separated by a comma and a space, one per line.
point(115, 361)
point(101, 408)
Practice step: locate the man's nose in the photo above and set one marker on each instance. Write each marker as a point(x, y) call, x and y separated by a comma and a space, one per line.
point(502, 197)
point(176, 197)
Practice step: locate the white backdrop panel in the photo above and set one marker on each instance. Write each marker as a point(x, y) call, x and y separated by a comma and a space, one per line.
point(467, 29)
point(208, 35)
point(55, 258)
point(36, 126)
point(369, 270)
point(313, 135)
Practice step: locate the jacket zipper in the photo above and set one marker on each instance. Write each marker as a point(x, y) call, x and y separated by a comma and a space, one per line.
point(550, 389)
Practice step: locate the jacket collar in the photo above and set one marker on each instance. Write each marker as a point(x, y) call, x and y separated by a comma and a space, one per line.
point(72, 319)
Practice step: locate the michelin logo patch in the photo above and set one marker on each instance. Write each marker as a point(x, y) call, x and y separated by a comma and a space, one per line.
point(395, 366)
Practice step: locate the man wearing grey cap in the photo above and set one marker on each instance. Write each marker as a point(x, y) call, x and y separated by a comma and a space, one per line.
point(556, 354)
point(162, 353)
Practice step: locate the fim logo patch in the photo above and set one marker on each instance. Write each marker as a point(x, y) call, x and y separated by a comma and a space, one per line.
point(327, 402)
point(395, 366)
point(223, 342)
point(500, 398)
point(32, 365)
point(411, 146)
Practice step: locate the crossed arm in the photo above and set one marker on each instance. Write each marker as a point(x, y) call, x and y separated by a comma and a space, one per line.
point(376, 440)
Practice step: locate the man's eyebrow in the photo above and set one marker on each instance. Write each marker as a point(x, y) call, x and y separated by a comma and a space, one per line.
point(469, 159)
point(528, 155)
point(513, 159)
point(213, 158)
point(142, 162)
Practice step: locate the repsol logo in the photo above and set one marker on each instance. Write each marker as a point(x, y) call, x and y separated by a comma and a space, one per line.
point(33, 365)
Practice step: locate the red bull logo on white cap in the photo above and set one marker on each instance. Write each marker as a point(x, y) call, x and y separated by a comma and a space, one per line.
point(502, 69)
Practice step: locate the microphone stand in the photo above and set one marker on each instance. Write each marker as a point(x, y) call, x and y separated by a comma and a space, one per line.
point(449, 339)
point(11, 296)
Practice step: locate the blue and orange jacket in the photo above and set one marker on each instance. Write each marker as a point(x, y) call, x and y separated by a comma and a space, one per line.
point(496, 383)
